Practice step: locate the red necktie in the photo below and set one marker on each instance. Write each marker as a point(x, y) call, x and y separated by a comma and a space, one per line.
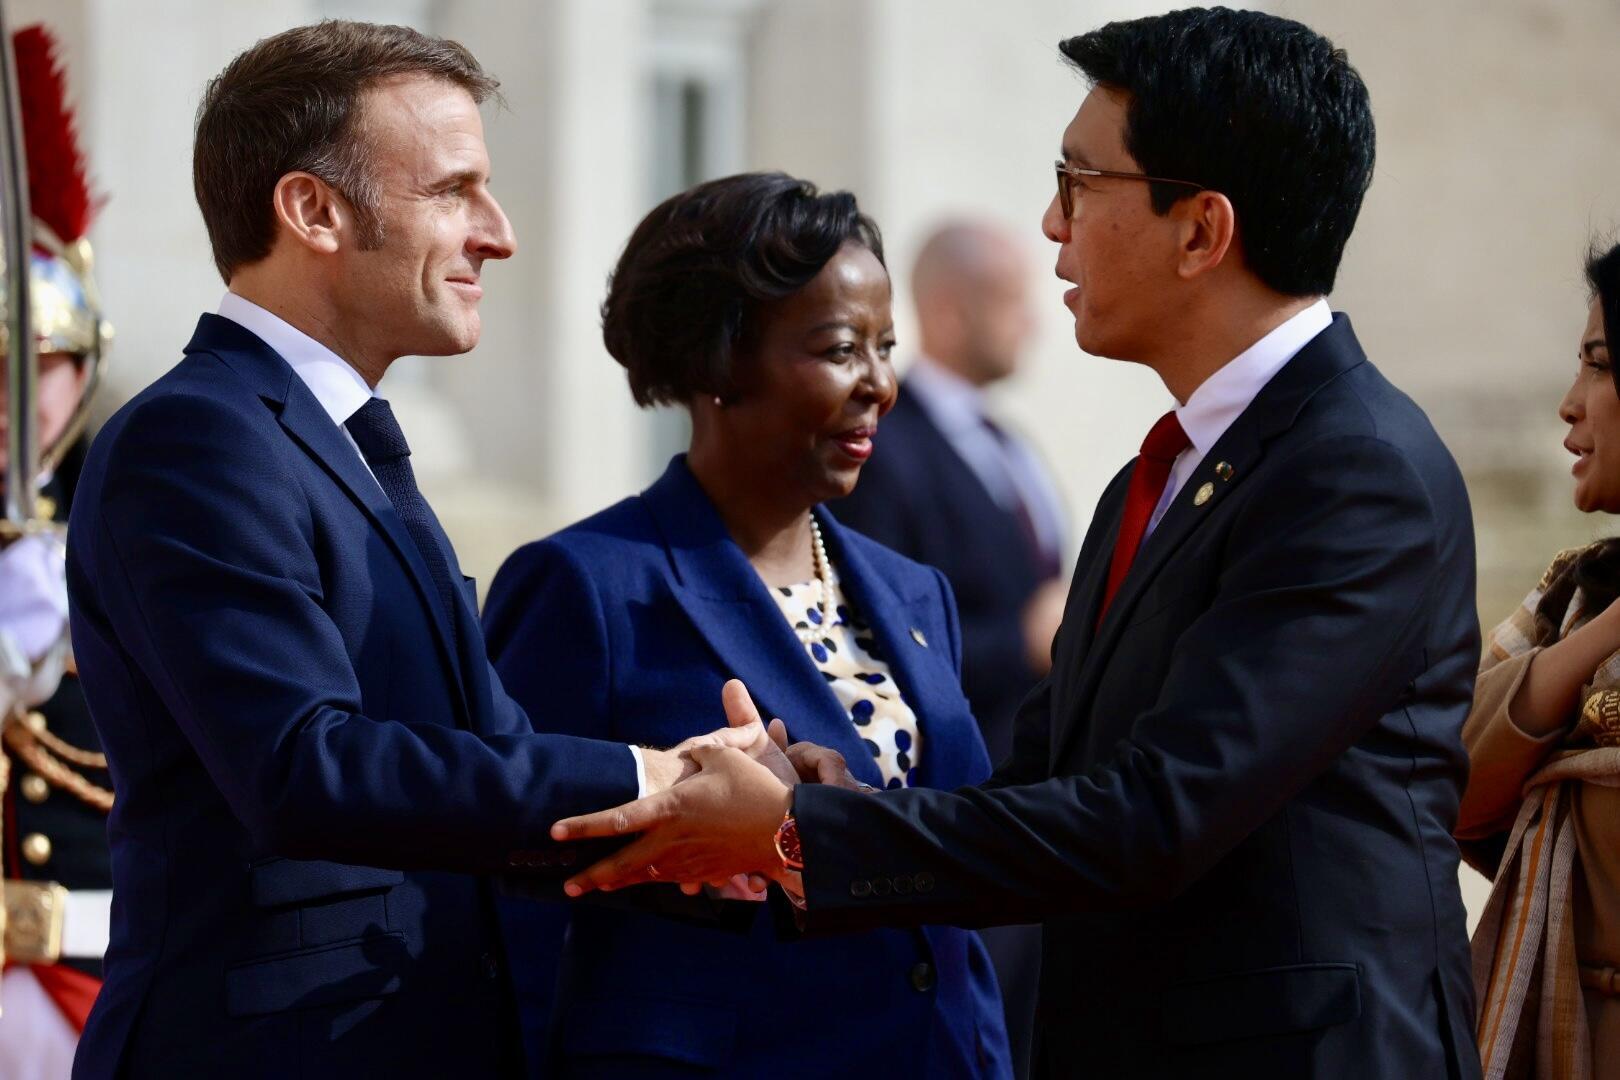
point(1152, 472)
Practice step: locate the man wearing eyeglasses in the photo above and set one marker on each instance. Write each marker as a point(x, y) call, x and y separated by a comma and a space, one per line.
point(1231, 802)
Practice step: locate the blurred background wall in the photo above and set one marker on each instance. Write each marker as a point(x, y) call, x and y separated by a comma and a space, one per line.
point(1499, 145)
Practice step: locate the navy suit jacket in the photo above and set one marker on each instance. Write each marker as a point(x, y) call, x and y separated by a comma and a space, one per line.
point(920, 498)
point(1231, 804)
point(625, 626)
point(312, 782)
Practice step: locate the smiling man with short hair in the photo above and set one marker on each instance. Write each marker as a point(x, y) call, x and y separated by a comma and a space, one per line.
point(317, 770)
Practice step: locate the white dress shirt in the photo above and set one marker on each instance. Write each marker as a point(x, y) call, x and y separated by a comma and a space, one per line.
point(336, 385)
point(1009, 470)
point(1223, 396)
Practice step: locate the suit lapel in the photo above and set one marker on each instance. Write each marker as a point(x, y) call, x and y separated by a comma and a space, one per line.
point(1274, 410)
point(733, 612)
point(922, 670)
point(1074, 646)
point(309, 425)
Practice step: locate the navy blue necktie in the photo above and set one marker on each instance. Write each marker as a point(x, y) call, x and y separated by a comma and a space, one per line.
point(383, 445)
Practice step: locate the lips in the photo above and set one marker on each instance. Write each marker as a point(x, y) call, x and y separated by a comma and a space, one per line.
point(856, 443)
point(467, 285)
point(1069, 295)
point(1582, 456)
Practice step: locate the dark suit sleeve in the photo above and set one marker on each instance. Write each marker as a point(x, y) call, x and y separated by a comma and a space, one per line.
point(205, 562)
point(1309, 639)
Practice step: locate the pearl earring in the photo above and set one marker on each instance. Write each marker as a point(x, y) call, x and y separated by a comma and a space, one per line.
point(718, 403)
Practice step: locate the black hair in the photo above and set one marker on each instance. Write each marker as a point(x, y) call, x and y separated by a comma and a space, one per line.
point(1603, 279)
point(1597, 570)
point(1261, 109)
point(683, 302)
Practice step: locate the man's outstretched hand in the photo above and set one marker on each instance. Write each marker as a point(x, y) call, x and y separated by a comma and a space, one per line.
point(743, 731)
point(718, 822)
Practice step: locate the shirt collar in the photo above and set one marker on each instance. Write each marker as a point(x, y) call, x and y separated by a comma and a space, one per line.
point(954, 403)
point(1223, 396)
point(335, 384)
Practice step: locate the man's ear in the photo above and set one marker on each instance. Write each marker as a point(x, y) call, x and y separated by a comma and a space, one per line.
point(1208, 229)
point(311, 211)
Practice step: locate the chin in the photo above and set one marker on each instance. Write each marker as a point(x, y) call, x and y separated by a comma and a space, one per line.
point(1596, 502)
point(836, 483)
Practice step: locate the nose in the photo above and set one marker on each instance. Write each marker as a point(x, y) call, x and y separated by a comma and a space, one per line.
point(880, 385)
point(1570, 410)
point(492, 237)
point(1053, 223)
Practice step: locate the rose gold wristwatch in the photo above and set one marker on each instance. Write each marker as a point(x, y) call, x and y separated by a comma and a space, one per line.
point(787, 842)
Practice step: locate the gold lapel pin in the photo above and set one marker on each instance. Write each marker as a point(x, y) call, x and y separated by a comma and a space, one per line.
point(917, 636)
point(1223, 470)
point(1205, 493)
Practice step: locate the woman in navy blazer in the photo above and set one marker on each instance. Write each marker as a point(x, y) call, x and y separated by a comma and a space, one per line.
point(763, 307)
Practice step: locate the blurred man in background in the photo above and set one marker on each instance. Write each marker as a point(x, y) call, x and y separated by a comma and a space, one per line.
point(952, 487)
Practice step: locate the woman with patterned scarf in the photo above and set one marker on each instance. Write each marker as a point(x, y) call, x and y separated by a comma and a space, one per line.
point(1541, 814)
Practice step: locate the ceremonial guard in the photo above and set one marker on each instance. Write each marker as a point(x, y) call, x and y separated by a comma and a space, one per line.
point(57, 793)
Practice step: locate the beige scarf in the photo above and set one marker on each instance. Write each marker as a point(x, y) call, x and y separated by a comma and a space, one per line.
point(1525, 968)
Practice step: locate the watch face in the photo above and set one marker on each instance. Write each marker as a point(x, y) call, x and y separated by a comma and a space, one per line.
point(787, 844)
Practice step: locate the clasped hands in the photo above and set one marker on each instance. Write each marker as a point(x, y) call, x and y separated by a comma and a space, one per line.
point(714, 806)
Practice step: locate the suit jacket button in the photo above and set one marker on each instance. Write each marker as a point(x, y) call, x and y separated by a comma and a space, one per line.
point(882, 886)
point(924, 882)
point(860, 888)
point(489, 967)
point(922, 977)
point(902, 885)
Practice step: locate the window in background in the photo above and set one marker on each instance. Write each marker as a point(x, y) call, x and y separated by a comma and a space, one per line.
point(697, 84)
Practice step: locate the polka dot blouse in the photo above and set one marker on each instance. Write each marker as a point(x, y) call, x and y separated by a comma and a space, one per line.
point(848, 656)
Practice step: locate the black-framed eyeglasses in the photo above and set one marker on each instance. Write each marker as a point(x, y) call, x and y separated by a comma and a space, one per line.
point(1067, 175)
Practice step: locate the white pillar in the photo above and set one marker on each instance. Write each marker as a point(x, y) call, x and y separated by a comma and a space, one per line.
point(548, 408)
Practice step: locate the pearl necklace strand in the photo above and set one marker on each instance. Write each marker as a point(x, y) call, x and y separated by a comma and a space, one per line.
point(823, 570)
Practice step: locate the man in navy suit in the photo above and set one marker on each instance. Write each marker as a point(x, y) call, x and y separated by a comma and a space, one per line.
point(317, 770)
point(1231, 802)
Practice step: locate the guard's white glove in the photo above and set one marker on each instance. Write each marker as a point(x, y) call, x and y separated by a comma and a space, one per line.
point(34, 645)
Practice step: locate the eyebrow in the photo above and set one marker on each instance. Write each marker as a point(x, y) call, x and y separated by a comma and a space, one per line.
point(1592, 345)
point(836, 324)
point(462, 176)
point(1077, 157)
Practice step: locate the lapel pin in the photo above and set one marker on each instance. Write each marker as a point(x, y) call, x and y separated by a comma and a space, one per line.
point(1223, 470)
point(1205, 493)
point(917, 636)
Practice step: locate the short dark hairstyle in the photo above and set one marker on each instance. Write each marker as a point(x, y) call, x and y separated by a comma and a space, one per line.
point(291, 103)
point(1261, 109)
point(683, 303)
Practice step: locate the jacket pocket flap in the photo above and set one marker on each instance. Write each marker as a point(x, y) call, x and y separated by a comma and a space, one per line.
point(1271, 1001)
point(294, 881)
point(368, 968)
point(699, 1033)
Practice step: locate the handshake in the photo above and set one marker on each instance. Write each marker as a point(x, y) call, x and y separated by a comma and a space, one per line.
point(713, 808)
